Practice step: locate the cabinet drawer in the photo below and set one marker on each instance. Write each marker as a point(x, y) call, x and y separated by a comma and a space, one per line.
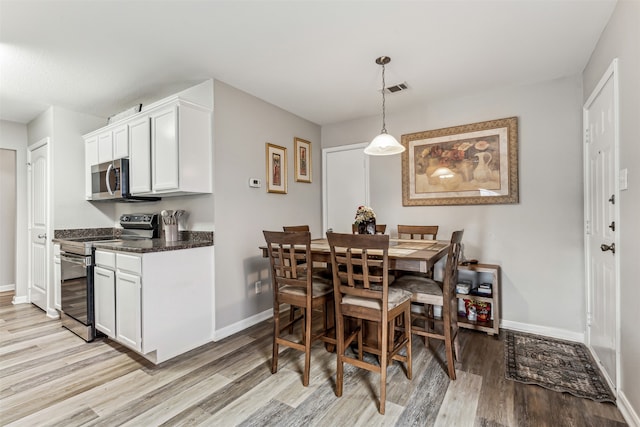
point(129, 263)
point(106, 259)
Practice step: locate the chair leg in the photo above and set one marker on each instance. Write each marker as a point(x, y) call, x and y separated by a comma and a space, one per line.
point(276, 335)
point(339, 353)
point(384, 354)
point(407, 332)
point(448, 348)
point(308, 313)
point(292, 315)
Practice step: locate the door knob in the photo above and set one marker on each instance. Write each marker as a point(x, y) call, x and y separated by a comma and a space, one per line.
point(42, 236)
point(611, 247)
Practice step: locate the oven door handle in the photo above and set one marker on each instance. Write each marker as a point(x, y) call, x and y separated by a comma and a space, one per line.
point(79, 260)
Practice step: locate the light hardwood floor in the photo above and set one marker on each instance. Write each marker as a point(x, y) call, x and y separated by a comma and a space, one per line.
point(48, 376)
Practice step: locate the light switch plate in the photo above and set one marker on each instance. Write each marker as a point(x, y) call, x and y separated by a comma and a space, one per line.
point(623, 180)
point(255, 182)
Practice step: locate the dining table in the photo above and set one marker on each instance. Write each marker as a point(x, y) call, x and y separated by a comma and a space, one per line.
point(405, 255)
point(410, 255)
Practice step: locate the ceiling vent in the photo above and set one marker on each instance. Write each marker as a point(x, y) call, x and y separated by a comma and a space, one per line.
point(396, 88)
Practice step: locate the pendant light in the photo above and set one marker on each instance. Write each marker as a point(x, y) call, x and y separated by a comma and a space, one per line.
point(383, 144)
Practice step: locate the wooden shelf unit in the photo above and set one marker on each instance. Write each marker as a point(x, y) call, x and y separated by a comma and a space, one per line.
point(491, 326)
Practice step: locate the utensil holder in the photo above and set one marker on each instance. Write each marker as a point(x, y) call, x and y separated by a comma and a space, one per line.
point(171, 232)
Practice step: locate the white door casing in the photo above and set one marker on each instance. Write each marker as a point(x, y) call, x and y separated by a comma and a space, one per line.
point(38, 201)
point(602, 225)
point(345, 185)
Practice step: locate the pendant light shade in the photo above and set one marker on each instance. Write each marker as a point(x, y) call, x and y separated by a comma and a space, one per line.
point(383, 144)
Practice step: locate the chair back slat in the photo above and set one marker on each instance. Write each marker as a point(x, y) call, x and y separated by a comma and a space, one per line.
point(295, 228)
point(418, 232)
point(360, 264)
point(288, 255)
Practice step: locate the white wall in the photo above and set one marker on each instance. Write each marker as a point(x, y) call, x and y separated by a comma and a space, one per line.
point(69, 208)
point(7, 219)
point(243, 124)
point(13, 136)
point(620, 40)
point(538, 242)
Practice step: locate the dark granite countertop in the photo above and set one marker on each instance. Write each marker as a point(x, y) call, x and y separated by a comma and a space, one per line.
point(188, 240)
point(152, 245)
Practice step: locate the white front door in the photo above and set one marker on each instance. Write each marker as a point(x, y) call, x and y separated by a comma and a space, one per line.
point(601, 195)
point(38, 223)
point(345, 175)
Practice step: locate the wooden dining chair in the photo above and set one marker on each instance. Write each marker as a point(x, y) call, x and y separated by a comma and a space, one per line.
point(361, 289)
point(294, 284)
point(380, 228)
point(418, 232)
point(429, 292)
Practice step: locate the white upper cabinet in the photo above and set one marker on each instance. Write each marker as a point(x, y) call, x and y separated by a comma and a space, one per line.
point(181, 149)
point(165, 149)
point(113, 144)
point(169, 145)
point(120, 142)
point(140, 156)
point(105, 146)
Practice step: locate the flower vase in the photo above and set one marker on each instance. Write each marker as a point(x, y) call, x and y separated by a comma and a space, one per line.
point(367, 227)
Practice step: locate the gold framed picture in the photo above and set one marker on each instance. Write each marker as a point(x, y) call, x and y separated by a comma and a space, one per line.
point(276, 168)
point(302, 160)
point(472, 164)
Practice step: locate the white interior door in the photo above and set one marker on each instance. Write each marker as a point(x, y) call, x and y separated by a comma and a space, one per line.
point(601, 118)
point(38, 224)
point(345, 186)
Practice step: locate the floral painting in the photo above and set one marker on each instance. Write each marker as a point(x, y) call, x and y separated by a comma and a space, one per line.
point(276, 169)
point(302, 160)
point(470, 164)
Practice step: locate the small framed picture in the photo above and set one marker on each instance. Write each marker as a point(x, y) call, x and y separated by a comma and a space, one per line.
point(302, 159)
point(276, 169)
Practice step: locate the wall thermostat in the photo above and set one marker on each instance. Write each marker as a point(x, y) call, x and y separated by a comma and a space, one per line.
point(255, 182)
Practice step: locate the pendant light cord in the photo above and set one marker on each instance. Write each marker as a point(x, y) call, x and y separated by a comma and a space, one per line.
point(384, 127)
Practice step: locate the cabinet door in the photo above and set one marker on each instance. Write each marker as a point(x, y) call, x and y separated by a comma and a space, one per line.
point(105, 147)
point(128, 319)
point(105, 301)
point(164, 149)
point(140, 156)
point(90, 159)
point(120, 142)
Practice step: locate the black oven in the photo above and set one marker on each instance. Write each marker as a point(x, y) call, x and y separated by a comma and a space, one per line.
point(76, 294)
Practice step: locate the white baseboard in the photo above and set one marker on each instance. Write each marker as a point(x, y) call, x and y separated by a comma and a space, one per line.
point(52, 313)
point(242, 325)
point(7, 288)
point(630, 415)
point(546, 331)
point(20, 300)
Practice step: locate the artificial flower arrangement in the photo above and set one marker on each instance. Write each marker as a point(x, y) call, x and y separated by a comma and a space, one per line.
point(364, 214)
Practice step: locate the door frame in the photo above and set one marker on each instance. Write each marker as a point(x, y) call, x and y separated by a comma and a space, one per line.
point(50, 310)
point(611, 73)
point(325, 189)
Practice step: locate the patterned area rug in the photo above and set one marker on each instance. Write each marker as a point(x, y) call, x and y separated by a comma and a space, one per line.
point(558, 365)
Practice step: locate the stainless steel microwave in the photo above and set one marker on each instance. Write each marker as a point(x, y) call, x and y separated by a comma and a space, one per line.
point(110, 181)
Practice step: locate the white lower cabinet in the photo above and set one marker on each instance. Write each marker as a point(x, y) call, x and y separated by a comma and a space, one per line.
point(128, 320)
point(159, 304)
point(105, 300)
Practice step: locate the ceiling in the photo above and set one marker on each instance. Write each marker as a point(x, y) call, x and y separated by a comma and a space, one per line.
point(315, 59)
